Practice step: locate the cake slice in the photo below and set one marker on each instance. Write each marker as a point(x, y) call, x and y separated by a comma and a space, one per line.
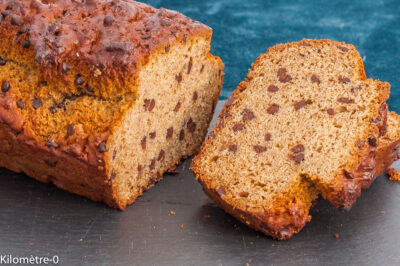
point(102, 97)
point(305, 122)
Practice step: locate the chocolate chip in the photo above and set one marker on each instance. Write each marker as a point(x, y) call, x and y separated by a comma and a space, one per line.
point(165, 22)
point(375, 120)
point(345, 100)
point(195, 96)
point(50, 163)
point(355, 89)
point(177, 107)
point(65, 68)
point(189, 66)
point(221, 190)
point(348, 175)
point(238, 127)
point(273, 88)
point(232, 148)
point(243, 194)
point(247, 115)
point(167, 47)
point(78, 80)
point(102, 147)
point(330, 111)
point(140, 168)
point(61, 105)
point(191, 126)
point(152, 135)
point(315, 79)
point(89, 89)
point(53, 110)
point(108, 20)
point(149, 104)
point(2, 62)
point(24, 29)
point(259, 149)
point(343, 79)
point(267, 137)
point(283, 76)
point(36, 103)
point(360, 144)
point(152, 164)
point(298, 148)
point(161, 155)
point(372, 141)
point(143, 143)
point(145, 36)
point(178, 78)
point(16, 20)
point(5, 13)
point(274, 108)
point(201, 69)
point(113, 175)
point(5, 86)
point(230, 101)
point(124, 47)
point(51, 143)
point(20, 104)
point(298, 157)
point(26, 44)
point(70, 129)
point(181, 134)
point(343, 48)
point(299, 105)
point(170, 132)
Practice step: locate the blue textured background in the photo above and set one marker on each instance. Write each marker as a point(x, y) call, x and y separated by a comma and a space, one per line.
point(244, 29)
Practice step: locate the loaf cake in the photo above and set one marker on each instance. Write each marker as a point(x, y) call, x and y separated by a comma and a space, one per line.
point(102, 97)
point(306, 121)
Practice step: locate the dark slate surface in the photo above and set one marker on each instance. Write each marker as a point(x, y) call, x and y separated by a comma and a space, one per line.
point(244, 29)
point(82, 232)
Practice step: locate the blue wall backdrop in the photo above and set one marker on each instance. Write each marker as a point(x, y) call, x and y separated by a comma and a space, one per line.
point(244, 29)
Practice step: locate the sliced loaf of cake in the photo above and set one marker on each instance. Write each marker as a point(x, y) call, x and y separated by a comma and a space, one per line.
point(305, 122)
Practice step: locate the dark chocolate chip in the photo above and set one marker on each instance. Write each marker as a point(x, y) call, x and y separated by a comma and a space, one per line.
point(108, 20)
point(273, 109)
point(102, 147)
point(113, 175)
point(181, 134)
point(24, 29)
point(221, 190)
point(195, 96)
point(375, 120)
point(36, 103)
point(283, 76)
point(189, 66)
point(232, 148)
point(345, 100)
point(61, 105)
point(114, 154)
point(149, 104)
point(330, 111)
point(170, 132)
point(167, 47)
point(201, 69)
point(343, 48)
point(165, 22)
point(259, 149)
point(230, 101)
point(348, 175)
point(247, 115)
point(298, 148)
point(152, 164)
point(70, 129)
point(50, 163)
point(16, 20)
point(191, 126)
point(372, 141)
point(2, 62)
point(161, 155)
point(243, 194)
point(143, 143)
point(26, 44)
point(298, 157)
point(267, 137)
point(89, 89)
point(53, 110)
point(5, 13)
point(152, 135)
point(177, 107)
point(20, 104)
point(343, 79)
point(238, 127)
point(51, 143)
point(145, 36)
point(178, 78)
point(360, 144)
point(315, 79)
point(5, 86)
point(272, 88)
point(65, 68)
point(78, 80)
point(299, 105)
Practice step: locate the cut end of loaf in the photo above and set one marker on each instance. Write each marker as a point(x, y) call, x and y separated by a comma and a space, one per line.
point(302, 114)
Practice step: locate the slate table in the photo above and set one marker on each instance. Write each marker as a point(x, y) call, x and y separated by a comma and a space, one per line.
point(38, 219)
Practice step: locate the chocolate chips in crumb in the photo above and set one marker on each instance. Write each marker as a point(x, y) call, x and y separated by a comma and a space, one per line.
point(273, 109)
point(70, 129)
point(65, 68)
point(195, 96)
point(343, 79)
point(5, 86)
point(16, 20)
point(161, 155)
point(2, 62)
point(102, 147)
point(267, 137)
point(26, 44)
point(343, 48)
point(247, 115)
point(36, 103)
point(315, 79)
point(170, 132)
point(259, 149)
point(372, 141)
point(238, 127)
point(177, 107)
point(178, 78)
point(152, 135)
point(20, 104)
point(143, 143)
point(78, 80)
point(330, 111)
point(181, 134)
point(272, 88)
point(300, 104)
point(283, 76)
point(298, 153)
point(232, 148)
point(149, 104)
point(191, 125)
point(108, 20)
point(53, 110)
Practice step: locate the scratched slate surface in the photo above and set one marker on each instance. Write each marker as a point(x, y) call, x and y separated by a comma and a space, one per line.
point(82, 232)
point(244, 29)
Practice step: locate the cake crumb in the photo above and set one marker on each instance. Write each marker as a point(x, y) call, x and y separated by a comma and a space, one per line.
point(393, 174)
point(171, 213)
point(181, 226)
point(336, 236)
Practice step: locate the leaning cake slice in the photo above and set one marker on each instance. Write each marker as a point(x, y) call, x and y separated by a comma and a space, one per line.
point(305, 122)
